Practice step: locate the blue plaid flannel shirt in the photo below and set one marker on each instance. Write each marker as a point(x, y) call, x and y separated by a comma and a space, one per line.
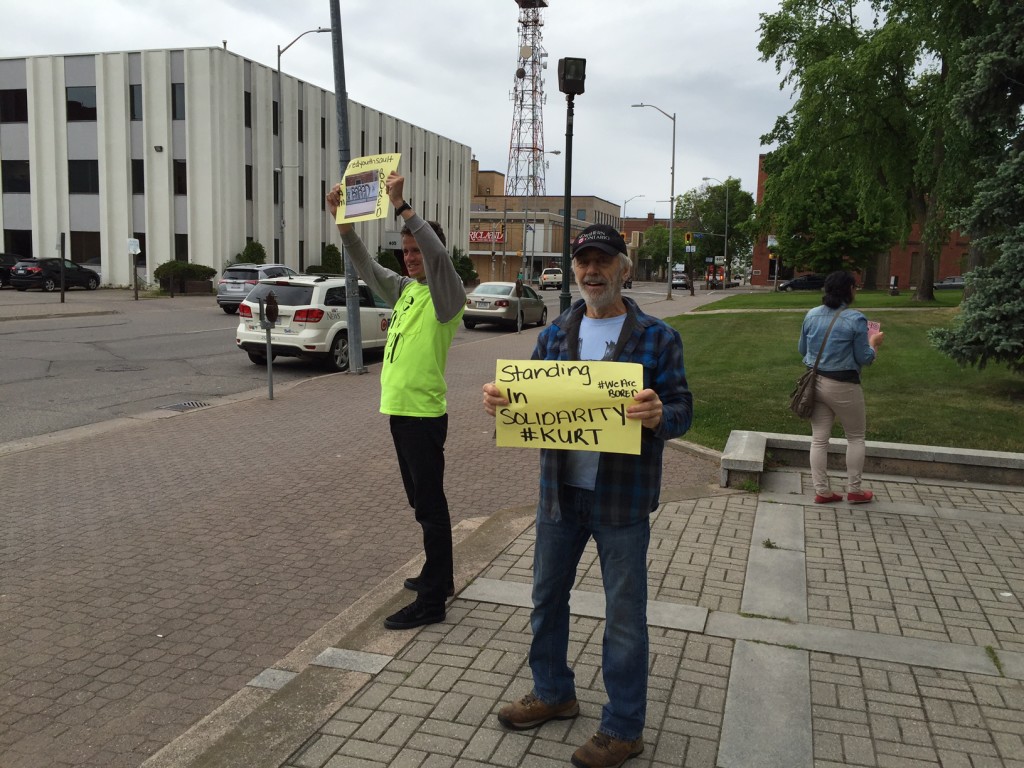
point(628, 487)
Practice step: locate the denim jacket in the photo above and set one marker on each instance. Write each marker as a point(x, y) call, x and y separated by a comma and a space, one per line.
point(847, 348)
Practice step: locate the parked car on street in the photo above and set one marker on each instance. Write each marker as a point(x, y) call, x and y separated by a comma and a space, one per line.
point(497, 303)
point(96, 266)
point(7, 262)
point(312, 320)
point(551, 278)
point(238, 279)
point(803, 283)
point(956, 281)
point(45, 275)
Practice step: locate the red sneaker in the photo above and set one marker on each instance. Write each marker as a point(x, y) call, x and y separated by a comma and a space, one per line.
point(860, 497)
point(828, 499)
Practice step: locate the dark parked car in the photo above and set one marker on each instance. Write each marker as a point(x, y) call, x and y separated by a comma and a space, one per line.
point(803, 283)
point(949, 282)
point(7, 262)
point(45, 274)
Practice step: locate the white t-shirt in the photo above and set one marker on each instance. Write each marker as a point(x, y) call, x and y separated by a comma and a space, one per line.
point(598, 337)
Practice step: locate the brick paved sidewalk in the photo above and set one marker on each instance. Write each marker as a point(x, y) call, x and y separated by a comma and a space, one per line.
point(901, 646)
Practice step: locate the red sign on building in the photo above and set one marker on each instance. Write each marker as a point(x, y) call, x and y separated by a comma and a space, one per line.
point(486, 237)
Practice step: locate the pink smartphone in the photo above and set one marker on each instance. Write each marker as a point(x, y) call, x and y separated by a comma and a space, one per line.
point(874, 327)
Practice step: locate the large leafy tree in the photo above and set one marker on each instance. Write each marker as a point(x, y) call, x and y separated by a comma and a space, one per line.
point(655, 245)
point(816, 221)
point(990, 106)
point(704, 211)
point(873, 84)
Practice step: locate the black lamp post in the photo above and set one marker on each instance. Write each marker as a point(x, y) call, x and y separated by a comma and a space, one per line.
point(571, 74)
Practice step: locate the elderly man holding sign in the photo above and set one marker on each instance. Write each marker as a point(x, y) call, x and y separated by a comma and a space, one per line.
point(586, 492)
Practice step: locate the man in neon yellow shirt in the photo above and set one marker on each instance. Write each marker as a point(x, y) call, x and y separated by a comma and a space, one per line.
point(428, 304)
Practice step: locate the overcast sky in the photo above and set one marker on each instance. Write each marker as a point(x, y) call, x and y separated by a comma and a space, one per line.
point(449, 66)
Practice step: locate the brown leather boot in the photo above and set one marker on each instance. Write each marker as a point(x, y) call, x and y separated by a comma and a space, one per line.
point(529, 712)
point(602, 751)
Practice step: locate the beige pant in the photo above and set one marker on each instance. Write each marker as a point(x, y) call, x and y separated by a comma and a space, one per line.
point(845, 401)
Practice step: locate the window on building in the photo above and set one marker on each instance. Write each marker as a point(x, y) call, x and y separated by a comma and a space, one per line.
point(140, 259)
point(138, 177)
point(323, 195)
point(302, 255)
point(581, 214)
point(181, 247)
point(302, 192)
point(85, 246)
point(18, 241)
point(300, 126)
point(248, 109)
point(380, 145)
point(16, 176)
point(180, 177)
point(277, 181)
point(84, 177)
point(81, 104)
point(177, 101)
point(135, 102)
point(323, 133)
point(362, 143)
point(276, 131)
point(14, 105)
point(248, 182)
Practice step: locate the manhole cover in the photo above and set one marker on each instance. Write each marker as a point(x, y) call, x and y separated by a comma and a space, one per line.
point(190, 405)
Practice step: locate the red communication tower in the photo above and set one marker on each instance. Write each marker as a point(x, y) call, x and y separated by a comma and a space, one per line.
point(526, 149)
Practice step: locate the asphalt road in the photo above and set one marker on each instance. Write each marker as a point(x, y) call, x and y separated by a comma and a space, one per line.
point(102, 355)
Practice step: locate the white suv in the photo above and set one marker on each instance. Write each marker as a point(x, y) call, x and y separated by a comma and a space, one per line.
point(312, 320)
point(551, 278)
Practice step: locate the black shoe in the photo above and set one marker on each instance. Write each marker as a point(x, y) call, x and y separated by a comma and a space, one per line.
point(416, 614)
point(416, 585)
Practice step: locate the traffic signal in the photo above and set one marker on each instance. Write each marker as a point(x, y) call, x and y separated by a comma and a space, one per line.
point(688, 238)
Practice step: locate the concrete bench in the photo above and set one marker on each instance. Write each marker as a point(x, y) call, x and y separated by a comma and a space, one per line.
point(746, 452)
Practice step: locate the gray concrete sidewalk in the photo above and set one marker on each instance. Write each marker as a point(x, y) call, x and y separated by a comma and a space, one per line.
point(783, 633)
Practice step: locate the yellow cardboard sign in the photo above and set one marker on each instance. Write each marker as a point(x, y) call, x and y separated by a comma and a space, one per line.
point(363, 194)
point(572, 405)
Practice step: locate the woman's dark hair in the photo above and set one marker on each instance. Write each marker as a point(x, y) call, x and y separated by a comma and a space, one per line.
point(838, 289)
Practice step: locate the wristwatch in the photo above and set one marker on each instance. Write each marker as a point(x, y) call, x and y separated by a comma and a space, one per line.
point(402, 208)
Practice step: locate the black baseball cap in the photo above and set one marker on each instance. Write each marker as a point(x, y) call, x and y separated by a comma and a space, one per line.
point(600, 236)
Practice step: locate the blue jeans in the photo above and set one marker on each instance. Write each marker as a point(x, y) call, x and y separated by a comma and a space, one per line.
point(623, 554)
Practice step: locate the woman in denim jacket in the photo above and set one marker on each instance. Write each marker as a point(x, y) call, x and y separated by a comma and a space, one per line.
point(838, 393)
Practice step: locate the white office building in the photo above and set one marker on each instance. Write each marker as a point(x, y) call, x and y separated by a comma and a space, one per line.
point(184, 150)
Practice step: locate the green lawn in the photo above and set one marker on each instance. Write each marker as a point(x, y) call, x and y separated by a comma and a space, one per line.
point(742, 367)
point(808, 299)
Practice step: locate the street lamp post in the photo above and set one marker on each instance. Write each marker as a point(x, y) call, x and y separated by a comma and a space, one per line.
point(528, 254)
point(672, 193)
point(571, 81)
point(280, 138)
point(634, 197)
point(725, 243)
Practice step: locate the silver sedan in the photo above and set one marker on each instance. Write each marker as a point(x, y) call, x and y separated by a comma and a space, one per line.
point(498, 303)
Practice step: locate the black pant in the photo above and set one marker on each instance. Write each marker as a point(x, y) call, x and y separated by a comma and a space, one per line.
point(419, 443)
